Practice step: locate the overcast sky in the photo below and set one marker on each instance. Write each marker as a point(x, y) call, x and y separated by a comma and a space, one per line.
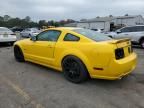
point(75, 9)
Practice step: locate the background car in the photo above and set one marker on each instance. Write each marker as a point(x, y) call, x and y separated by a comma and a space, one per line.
point(17, 29)
point(135, 33)
point(7, 36)
point(97, 30)
point(78, 53)
point(29, 32)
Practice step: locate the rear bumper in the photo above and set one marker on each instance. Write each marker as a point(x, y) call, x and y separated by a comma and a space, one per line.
point(117, 68)
point(9, 39)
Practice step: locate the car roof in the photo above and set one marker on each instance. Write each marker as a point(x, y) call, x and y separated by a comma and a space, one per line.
point(138, 25)
point(3, 27)
point(134, 26)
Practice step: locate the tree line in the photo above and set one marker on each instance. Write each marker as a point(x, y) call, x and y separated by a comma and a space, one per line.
point(10, 22)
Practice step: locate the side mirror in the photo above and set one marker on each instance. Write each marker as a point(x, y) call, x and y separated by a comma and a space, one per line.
point(110, 36)
point(118, 31)
point(33, 38)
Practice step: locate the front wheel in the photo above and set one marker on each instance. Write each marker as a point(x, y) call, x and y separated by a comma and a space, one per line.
point(11, 43)
point(18, 54)
point(142, 43)
point(74, 69)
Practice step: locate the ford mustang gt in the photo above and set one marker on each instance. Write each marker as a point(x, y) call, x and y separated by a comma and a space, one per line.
point(78, 53)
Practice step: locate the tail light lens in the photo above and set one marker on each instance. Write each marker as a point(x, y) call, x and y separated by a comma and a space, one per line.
point(119, 53)
point(13, 34)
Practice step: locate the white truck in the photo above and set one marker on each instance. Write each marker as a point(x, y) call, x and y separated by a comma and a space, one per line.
point(135, 33)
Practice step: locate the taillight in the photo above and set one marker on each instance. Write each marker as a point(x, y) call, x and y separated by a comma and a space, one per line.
point(13, 34)
point(119, 53)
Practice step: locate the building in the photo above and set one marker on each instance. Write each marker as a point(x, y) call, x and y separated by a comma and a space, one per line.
point(96, 23)
point(129, 20)
point(110, 23)
point(71, 24)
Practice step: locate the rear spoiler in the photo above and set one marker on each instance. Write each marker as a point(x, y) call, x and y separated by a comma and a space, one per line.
point(120, 41)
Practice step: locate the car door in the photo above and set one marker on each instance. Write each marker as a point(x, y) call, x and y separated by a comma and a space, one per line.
point(132, 33)
point(126, 32)
point(42, 50)
point(137, 33)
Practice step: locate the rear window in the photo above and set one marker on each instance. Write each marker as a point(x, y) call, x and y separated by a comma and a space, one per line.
point(70, 37)
point(4, 30)
point(92, 34)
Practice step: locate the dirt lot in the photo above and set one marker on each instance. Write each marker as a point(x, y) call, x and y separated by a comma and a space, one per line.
point(27, 85)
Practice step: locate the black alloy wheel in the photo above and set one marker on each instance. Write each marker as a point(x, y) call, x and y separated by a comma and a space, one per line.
point(142, 43)
point(74, 70)
point(18, 54)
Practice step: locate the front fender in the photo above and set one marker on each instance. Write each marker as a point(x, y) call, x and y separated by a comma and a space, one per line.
point(18, 44)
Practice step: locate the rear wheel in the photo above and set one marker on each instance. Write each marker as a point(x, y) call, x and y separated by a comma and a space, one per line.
point(18, 54)
point(74, 70)
point(11, 43)
point(142, 43)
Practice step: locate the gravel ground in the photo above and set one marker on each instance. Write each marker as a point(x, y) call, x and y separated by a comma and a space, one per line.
point(27, 85)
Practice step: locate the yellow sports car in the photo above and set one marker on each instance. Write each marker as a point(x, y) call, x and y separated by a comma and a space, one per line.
point(78, 53)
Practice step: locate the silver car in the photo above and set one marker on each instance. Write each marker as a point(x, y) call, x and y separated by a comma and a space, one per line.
point(29, 32)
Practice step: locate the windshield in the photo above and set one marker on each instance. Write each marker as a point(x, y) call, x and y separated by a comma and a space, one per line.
point(92, 34)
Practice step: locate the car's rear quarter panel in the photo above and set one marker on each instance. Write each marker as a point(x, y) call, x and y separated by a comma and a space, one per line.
point(91, 54)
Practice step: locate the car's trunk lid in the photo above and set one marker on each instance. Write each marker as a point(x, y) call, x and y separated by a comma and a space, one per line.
point(123, 47)
point(6, 34)
point(121, 42)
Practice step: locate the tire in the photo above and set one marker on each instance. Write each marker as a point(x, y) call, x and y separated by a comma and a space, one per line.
point(18, 54)
point(74, 70)
point(142, 43)
point(29, 36)
point(11, 43)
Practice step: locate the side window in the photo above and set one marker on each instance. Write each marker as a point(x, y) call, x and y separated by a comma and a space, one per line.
point(125, 30)
point(140, 28)
point(132, 29)
point(70, 37)
point(27, 29)
point(51, 35)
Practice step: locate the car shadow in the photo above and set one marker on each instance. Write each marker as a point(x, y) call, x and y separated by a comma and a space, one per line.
point(118, 84)
point(5, 45)
point(45, 69)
